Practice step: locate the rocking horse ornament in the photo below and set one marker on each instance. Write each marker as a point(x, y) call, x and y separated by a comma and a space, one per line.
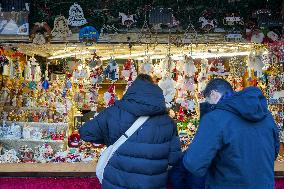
point(127, 20)
point(207, 22)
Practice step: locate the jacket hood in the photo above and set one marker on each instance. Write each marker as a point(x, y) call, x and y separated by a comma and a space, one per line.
point(143, 99)
point(250, 104)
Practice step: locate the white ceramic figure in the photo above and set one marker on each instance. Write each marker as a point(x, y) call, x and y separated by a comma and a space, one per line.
point(37, 75)
point(203, 75)
point(14, 101)
point(10, 156)
point(12, 70)
point(6, 69)
point(4, 95)
point(36, 134)
point(28, 71)
point(189, 67)
point(167, 84)
point(257, 37)
point(27, 132)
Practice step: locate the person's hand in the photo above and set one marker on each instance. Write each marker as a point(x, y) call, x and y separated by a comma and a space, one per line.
point(172, 113)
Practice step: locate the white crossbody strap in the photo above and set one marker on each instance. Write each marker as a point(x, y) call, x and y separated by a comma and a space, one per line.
point(108, 153)
point(134, 127)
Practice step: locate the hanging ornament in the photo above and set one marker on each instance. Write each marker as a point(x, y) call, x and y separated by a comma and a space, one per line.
point(217, 68)
point(147, 66)
point(238, 83)
point(273, 36)
point(237, 67)
point(175, 73)
point(129, 83)
point(64, 92)
point(112, 70)
point(190, 34)
point(158, 70)
point(32, 85)
point(189, 84)
point(181, 115)
point(128, 70)
point(189, 67)
point(257, 37)
point(60, 28)
point(3, 60)
point(82, 72)
point(37, 36)
point(189, 105)
point(45, 84)
point(110, 96)
point(96, 75)
point(35, 69)
point(232, 19)
point(168, 64)
point(4, 65)
point(203, 75)
point(181, 90)
point(68, 84)
point(11, 70)
point(127, 20)
point(207, 21)
point(167, 84)
point(76, 16)
point(89, 35)
point(95, 61)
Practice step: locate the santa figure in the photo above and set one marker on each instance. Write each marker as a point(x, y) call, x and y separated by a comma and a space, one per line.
point(110, 96)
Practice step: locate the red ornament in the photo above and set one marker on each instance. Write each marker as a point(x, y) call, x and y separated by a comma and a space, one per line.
point(74, 139)
point(127, 65)
point(53, 136)
point(266, 40)
point(181, 114)
point(175, 74)
point(61, 135)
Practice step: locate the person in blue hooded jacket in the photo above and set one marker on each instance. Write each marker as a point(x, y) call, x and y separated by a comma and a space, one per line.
point(142, 161)
point(237, 141)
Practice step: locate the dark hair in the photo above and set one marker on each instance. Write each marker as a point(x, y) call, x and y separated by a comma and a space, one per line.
point(145, 77)
point(218, 84)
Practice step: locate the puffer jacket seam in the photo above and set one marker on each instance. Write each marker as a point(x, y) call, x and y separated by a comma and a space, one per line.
point(132, 141)
point(144, 158)
point(138, 173)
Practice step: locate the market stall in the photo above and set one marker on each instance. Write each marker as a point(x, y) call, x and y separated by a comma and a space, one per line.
point(54, 80)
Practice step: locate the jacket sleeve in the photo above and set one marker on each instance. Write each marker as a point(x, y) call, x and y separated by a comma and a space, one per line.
point(202, 150)
point(276, 140)
point(175, 148)
point(95, 129)
point(177, 176)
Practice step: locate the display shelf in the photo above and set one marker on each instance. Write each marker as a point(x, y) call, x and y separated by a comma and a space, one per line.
point(47, 169)
point(38, 124)
point(25, 108)
point(18, 143)
point(30, 140)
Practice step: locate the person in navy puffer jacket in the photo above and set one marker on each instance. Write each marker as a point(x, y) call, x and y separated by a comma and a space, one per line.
point(142, 161)
point(237, 141)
